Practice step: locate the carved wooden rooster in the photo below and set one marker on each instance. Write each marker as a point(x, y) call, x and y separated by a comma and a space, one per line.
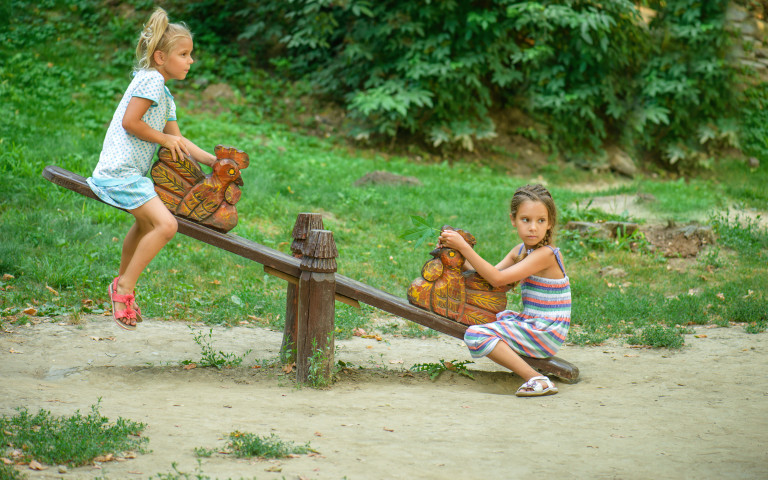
point(206, 199)
point(461, 296)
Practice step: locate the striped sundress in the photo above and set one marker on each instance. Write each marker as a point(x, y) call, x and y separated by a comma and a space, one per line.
point(540, 330)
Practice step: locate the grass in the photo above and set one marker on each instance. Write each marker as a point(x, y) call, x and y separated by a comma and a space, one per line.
point(434, 370)
point(60, 98)
point(210, 357)
point(74, 440)
point(249, 445)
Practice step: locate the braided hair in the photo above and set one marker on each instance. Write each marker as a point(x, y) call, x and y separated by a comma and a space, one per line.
point(535, 193)
point(158, 35)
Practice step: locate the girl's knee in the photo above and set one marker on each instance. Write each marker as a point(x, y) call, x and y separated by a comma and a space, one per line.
point(167, 227)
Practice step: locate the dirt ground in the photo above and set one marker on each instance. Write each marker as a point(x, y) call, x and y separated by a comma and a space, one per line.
point(700, 412)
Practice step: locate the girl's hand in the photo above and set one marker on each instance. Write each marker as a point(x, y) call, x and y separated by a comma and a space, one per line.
point(176, 145)
point(451, 239)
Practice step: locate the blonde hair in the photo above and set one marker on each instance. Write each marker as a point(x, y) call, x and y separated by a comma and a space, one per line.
point(535, 193)
point(158, 35)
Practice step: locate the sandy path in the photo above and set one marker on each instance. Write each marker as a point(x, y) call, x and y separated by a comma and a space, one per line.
point(701, 412)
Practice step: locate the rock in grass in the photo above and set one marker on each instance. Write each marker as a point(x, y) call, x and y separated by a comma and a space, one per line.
point(380, 177)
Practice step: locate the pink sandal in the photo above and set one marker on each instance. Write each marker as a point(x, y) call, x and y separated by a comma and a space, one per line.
point(129, 301)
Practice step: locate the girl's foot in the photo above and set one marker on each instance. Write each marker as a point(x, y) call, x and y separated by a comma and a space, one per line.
point(537, 386)
point(122, 307)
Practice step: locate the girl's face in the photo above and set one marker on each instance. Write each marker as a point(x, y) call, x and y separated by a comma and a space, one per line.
point(175, 65)
point(531, 222)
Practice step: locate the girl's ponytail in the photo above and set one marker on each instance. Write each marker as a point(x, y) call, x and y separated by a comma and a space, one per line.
point(158, 34)
point(150, 37)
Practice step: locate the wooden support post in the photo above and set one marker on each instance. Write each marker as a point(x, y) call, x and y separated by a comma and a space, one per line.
point(316, 308)
point(304, 223)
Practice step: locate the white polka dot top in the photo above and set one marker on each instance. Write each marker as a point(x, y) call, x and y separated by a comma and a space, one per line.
point(124, 155)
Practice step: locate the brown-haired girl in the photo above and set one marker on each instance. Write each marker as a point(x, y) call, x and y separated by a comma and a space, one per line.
point(144, 119)
point(540, 329)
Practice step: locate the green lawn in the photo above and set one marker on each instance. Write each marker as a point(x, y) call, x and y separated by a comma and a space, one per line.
point(58, 101)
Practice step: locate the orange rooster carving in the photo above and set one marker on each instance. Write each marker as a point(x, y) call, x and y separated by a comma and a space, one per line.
point(206, 199)
point(462, 296)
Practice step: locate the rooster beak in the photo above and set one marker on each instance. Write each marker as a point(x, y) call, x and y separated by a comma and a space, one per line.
point(239, 181)
point(436, 252)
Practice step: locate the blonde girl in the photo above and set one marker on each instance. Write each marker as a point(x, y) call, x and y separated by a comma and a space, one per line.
point(540, 329)
point(145, 119)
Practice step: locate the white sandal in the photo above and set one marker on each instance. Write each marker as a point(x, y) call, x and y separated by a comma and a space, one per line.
point(535, 388)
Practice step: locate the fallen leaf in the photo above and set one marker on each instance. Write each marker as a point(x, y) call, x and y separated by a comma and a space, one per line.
point(369, 346)
point(749, 294)
point(720, 296)
point(35, 465)
point(318, 434)
point(700, 336)
point(189, 366)
point(216, 282)
point(102, 338)
point(395, 361)
point(274, 468)
point(174, 271)
point(8, 276)
point(104, 458)
point(288, 368)
point(129, 454)
point(31, 311)
point(52, 290)
point(135, 472)
point(358, 332)
point(5, 461)
point(388, 429)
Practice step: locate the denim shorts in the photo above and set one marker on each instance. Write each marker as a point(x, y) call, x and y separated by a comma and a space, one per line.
point(128, 194)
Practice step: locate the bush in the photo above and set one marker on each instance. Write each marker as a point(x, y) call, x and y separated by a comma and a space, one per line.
point(594, 71)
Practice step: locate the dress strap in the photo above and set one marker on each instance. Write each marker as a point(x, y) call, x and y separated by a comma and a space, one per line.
point(556, 251)
point(520, 252)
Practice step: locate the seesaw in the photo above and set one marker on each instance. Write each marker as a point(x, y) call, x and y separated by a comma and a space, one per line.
point(314, 286)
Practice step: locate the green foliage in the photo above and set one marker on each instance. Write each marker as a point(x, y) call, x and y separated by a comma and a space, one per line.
point(8, 472)
point(210, 357)
point(658, 336)
point(74, 440)
point(754, 121)
point(740, 232)
point(435, 369)
point(423, 230)
point(438, 69)
point(320, 374)
point(752, 311)
point(176, 474)
point(247, 445)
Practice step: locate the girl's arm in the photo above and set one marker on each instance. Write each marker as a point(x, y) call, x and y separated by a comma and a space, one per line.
point(133, 124)
point(193, 150)
point(507, 261)
point(539, 260)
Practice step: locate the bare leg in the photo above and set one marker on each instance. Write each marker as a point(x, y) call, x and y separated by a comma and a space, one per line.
point(506, 357)
point(155, 226)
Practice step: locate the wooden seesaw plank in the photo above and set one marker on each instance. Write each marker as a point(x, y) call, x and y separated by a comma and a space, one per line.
point(287, 267)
